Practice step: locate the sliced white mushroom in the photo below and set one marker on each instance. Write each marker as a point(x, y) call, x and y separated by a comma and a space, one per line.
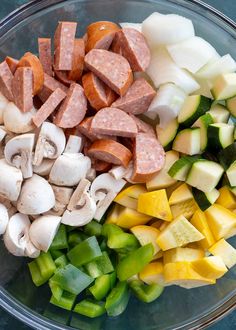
point(69, 169)
point(43, 230)
point(3, 133)
point(121, 172)
point(103, 205)
point(31, 251)
point(10, 181)
point(4, 218)
point(18, 152)
point(11, 209)
point(62, 196)
point(83, 187)
point(91, 174)
point(44, 168)
point(3, 104)
point(36, 196)
point(74, 144)
point(16, 121)
point(51, 143)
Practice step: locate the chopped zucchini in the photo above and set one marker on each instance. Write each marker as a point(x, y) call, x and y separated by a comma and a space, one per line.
point(194, 107)
point(224, 87)
point(188, 141)
point(227, 156)
point(205, 200)
point(203, 122)
point(220, 136)
point(219, 113)
point(180, 169)
point(231, 106)
point(205, 175)
point(231, 174)
point(166, 135)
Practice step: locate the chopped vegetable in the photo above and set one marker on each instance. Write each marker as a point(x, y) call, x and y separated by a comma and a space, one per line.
point(90, 308)
point(117, 300)
point(144, 292)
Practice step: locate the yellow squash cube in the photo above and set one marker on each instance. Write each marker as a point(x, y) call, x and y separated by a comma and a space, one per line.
point(181, 194)
point(153, 273)
point(129, 218)
point(186, 209)
point(226, 198)
point(199, 221)
point(182, 254)
point(129, 196)
point(145, 235)
point(210, 267)
point(226, 251)
point(113, 214)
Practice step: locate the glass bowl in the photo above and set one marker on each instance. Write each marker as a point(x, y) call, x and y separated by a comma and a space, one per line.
point(177, 308)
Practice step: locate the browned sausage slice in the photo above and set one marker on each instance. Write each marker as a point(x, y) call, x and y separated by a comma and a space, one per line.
point(110, 151)
point(113, 69)
point(149, 157)
point(85, 129)
point(134, 48)
point(137, 99)
point(113, 121)
point(143, 127)
point(32, 61)
point(45, 54)
point(64, 45)
point(49, 86)
point(22, 88)
point(73, 108)
point(101, 166)
point(49, 106)
point(6, 78)
point(12, 63)
point(78, 60)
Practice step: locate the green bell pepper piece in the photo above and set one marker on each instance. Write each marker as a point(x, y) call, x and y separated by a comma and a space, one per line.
point(42, 268)
point(84, 252)
point(36, 276)
point(71, 279)
point(66, 301)
point(144, 292)
point(103, 244)
point(60, 240)
point(118, 299)
point(103, 285)
point(62, 261)
point(56, 253)
point(90, 308)
point(75, 237)
point(93, 228)
point(134, 262)
point(56, 290)
point(110, 228)
point(102, 265)
point(123, 243)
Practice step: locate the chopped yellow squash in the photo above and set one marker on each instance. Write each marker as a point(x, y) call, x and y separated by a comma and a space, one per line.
point(226, 251)
point(226, 198)
point(155, 204)
point(164, 225)
point(181, 194)
point(153, 273)
point(171, 188)
point(199, 221)
point(157, 223)
point(210, 267)
point(145, 235)
point(182, 254)
point(183, 274)
point(158, 255)
point(178, 233)
point(220, 220)
point(129, 218)
point(129, 196)
point(113, 214)
point(186, 209)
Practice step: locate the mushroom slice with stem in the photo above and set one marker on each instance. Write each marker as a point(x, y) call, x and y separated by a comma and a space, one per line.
point(11, 209)
point(91, 174)
point(18, 152)
point(36, 196)
point(51, 143)
point(43, 230)
point(121, 172)
point(74, 144)
point(4, 218)
point(44, 168)
point(69, 169)
point(10, 181)
point(3, 133)
point(62, 195)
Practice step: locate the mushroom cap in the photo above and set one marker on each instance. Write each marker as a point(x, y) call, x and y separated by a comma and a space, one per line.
point(3, 104)
point(10, 181)
point(74, 144)
point(69, 169)
point(16, 121)
point(4, 218)
point(43, 230)
point(36, 196)
point(44, 168)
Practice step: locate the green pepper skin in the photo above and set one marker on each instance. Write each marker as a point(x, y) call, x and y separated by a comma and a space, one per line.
point(42, 268)
point(146, 293)
point(90, 308)
point(60, 240)
point(66, 301)
point(93, 228)
point(103, 285)
point(118, 299)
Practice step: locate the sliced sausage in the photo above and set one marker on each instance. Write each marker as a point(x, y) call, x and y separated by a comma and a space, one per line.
point(32, 61)
point(113, 69)
point(111, 96)
point(110, 151)
point(12, 63)
point(49, 86)
point(78, 60)
point(134, 48)
point(137, 99)
point(149, 157)
point(62, 76)
point(73, 108)
point(64, 45)
point(45, 54)
point(101, 166)
point(6, 78)
point(49, 106)
point(22, 88)
point(143, 127)
point(116, 46)
point(113, 121)
point(85, 129)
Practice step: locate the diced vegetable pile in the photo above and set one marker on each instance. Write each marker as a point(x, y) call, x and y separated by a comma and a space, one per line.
point(118, 162)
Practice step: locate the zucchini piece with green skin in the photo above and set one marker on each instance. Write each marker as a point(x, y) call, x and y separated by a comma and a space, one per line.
point(205, 175)
point(224, 87)
point(180, 169)
point(203, 122)
point(227, 156)
point(231, 174)
point(166, 135)
point(231, 106)
point(188, 141)
point(205, 200)
point(220, 136)
point(194, 107)
point(219, 113)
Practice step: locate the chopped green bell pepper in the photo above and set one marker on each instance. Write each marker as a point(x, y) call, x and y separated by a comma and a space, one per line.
point(134, 262)
point(71, 279)
point(118, 299)
point(144, 292)
point(90, 308)
point(110, 228)
point(42, 268)
point(56, 290)
point(62, 261)
point(56, 253)
point(84, 252)
point(102, 265)
point(60, 240)
point(123, 243)
point(75, 237)
point(93, 228)
point(103, 285)
point(103, 244)
point(66, 301)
